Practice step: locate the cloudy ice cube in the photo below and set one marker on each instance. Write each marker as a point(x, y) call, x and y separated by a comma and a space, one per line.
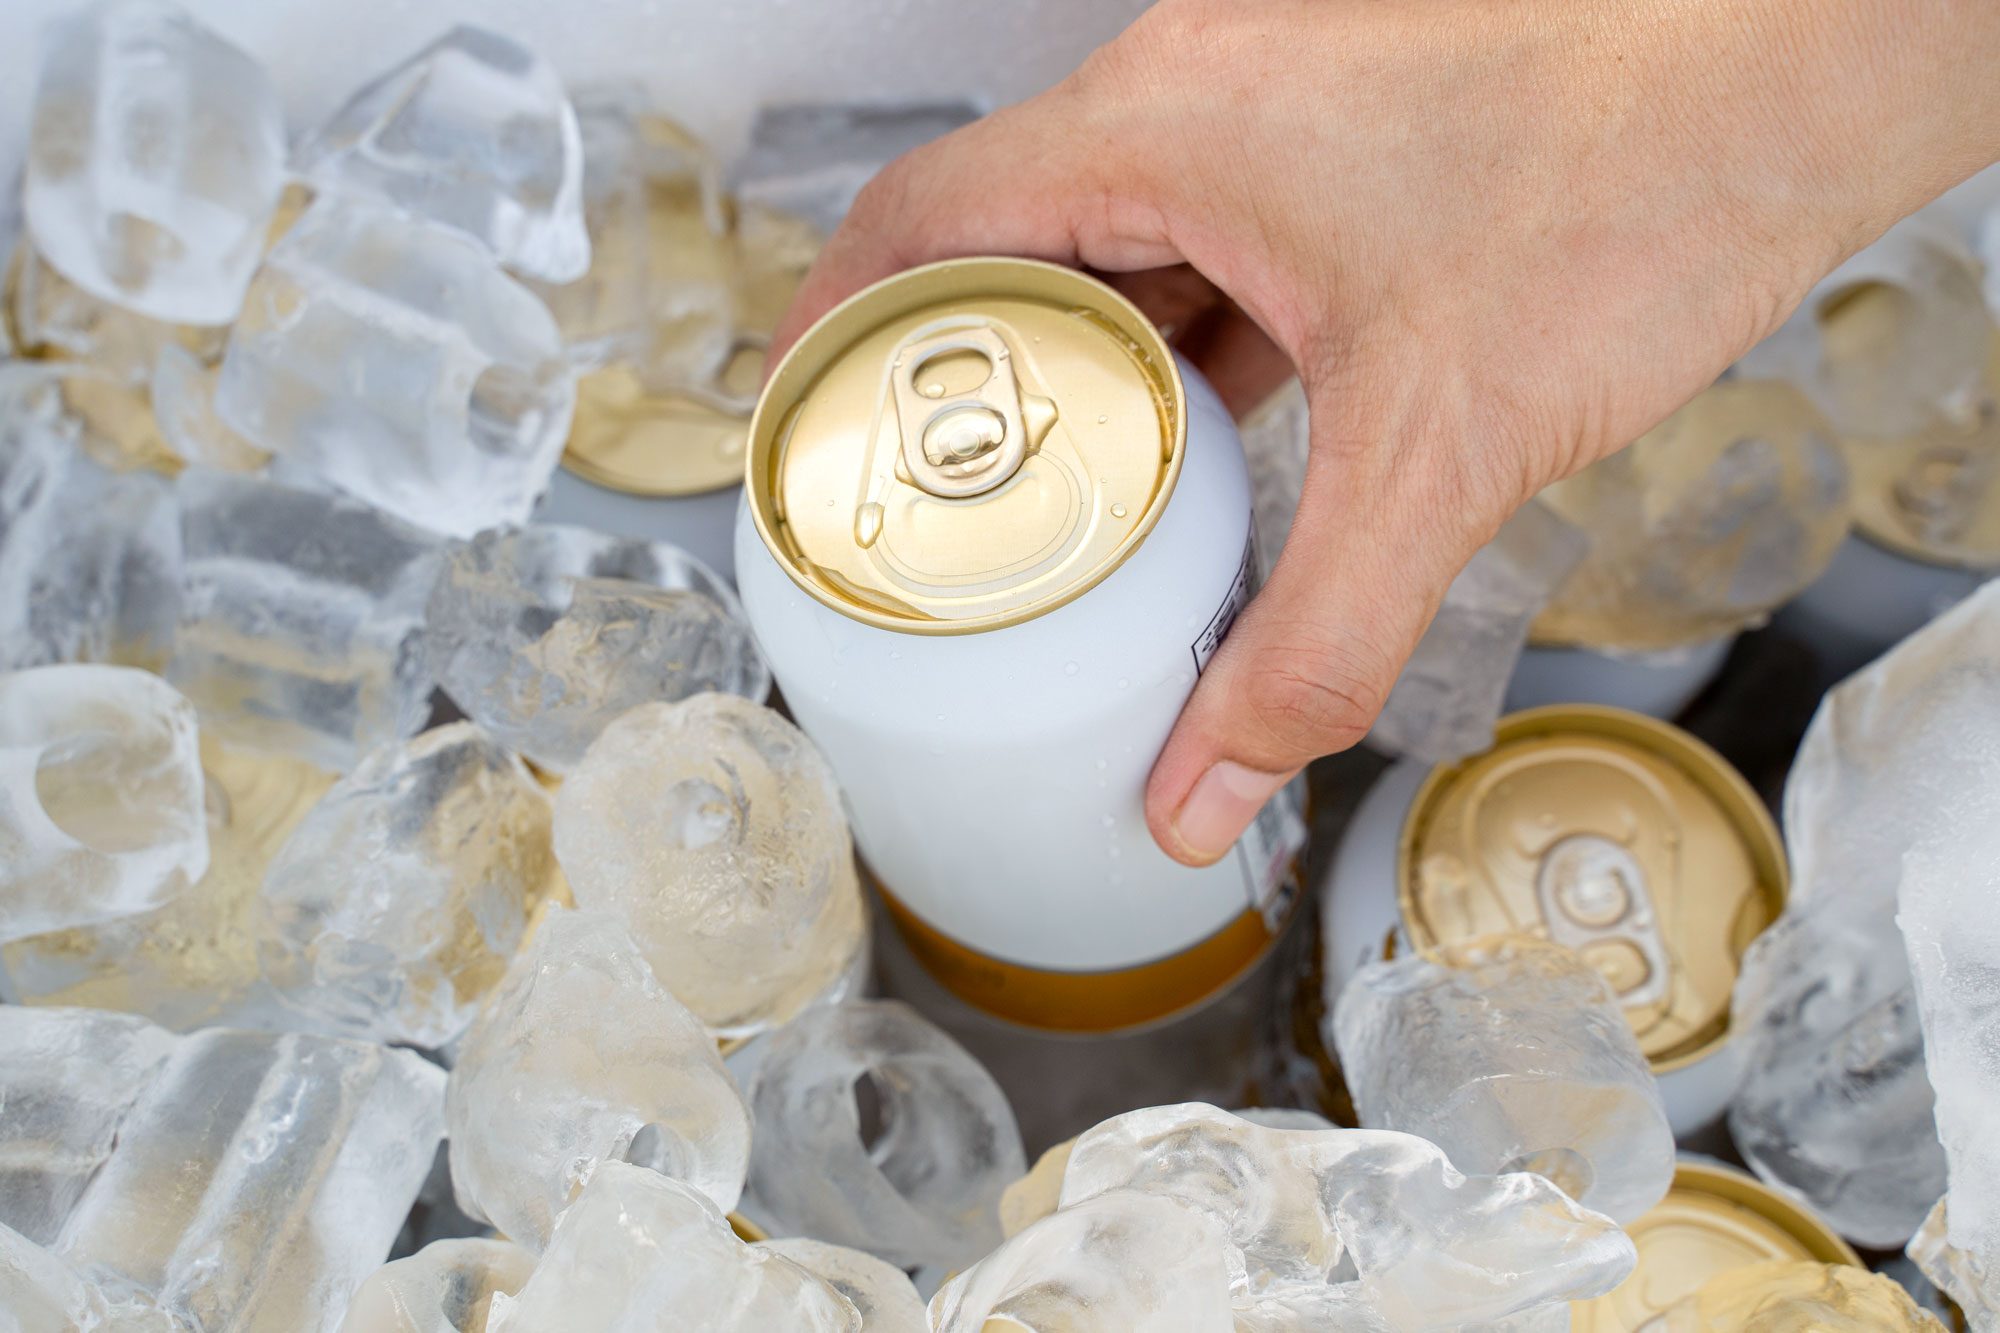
point(52, 316)
point(1276, 439)
point(545, 634)
point(69, 1077)
point(811, 158)
point(1319, 1221)
point(90, 559)
point(883, 1295)
point(714, 830)
point(155, 160)
point(580, 1056)
point(446, 1287)
point(101, 799)
point(42, 1294)
point(474, 132)
point(395, 360)
point(640, 1251)
point(1449, 695)
point(926, 1189)
point(1705, 524)
point(1834, 1104)
point(183, 396)
point(1958, 1274)
point(1795, 1298)
point(1511, 1054)
point(399, 901)
point(1118, 1260)
point(301, 619)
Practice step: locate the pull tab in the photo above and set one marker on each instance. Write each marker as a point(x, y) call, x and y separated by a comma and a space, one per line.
point(1594, 898)
point(966, 425)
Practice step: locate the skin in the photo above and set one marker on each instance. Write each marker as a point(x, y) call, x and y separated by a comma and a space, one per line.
point(1496, 239)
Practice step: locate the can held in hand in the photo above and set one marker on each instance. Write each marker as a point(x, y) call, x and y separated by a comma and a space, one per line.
point(993, 532)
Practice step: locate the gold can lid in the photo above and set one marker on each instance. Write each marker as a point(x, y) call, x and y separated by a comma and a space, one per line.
point(1616, 835)
point(966, 445)
point(1712, 1221)
point(631, 439)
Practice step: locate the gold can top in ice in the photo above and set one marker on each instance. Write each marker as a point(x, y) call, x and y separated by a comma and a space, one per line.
point(993, 532)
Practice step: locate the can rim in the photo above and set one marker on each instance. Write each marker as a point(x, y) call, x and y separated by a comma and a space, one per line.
point(1716, 1181)
point(839, 328)
point(1876, 535)
point(1708, 770)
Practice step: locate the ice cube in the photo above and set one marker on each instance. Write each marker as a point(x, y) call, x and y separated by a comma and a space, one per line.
point(52, 316)
point(39, 1293)
point(1319, 1221)
point(1795, 1298)
point(545, 634)
point(193, 962)
point(884, 1296)
point(446, 1287)
point(1709, 521)
point(155, 160)
point(773, 253)
point(475, 132)
point(811, 159)
point(1276, 439)
point(1960, 1274)
point(592, 1060)
point(394, 359)
point(1117, 1260)
point(402, 896)
point(640, 1251)
point(183, 396)
point(101, 803)
point(1445, 702)
point(90, 559)
point(713, 829)
point(1834, 1104)
point(1511, 1054)
point(919, 1185)
point(302, 618)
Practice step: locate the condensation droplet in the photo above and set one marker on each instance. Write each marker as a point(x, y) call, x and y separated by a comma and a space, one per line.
point(1069, 668)
point(1117, 511)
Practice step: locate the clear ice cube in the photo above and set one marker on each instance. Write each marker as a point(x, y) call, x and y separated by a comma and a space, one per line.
point(810, 159)
point(101, 796)
point(52, 316)
point(155, 160)
point(1449, 695)
point(593, 1061)
point(1795, 1298)
point(714, 830)
point(1511, 1054)
point(639, 1251)
point(1961, 1275)
point(474, 132)
point(1835, 1105)
point(400, 899)
point(394, 359)
point(446, 1287)
point(301, 619)
point(545, 634)
point(883, 1295)
point(183, 396)
point(39, 1293)
point(1704, 525)
point(924, 1187)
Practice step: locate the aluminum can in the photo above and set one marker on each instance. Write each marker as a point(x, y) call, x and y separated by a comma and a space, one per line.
point(1658, 684)
point(993, 531)
point(1617, 835)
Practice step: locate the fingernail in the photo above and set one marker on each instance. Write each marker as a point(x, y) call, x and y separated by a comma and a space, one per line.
point(1224, 801)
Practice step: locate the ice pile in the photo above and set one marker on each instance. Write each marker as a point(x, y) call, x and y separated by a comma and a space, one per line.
point(1194, 1219)
point(446, 1287)
point(712, 828)
point(545, 634)
point(1795, 1298)
point(1835, 1103)
point(401, 898)
point(227, 1179)
point(1510, 1054)
point(811, 159)
point(155, 161)
point(1449, 695)
point(923, 1188)
point(101, 797)
point(1710, 520)
point(580, 1057)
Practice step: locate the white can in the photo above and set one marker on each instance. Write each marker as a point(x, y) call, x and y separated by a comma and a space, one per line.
point(992, 534)
point(1659, 683)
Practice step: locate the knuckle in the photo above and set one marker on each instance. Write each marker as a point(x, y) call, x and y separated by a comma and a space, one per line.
point(1309, 697)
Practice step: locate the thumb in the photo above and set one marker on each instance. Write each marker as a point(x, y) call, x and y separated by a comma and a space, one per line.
point(1379, 534)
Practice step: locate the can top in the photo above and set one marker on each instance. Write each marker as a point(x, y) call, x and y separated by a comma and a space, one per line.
point(1712, 1220)
point(966, 445)
point(1622, 837)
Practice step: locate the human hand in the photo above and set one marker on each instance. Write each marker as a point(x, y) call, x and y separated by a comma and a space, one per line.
point(1497, 239)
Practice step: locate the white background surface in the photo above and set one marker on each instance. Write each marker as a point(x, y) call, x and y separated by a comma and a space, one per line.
point(708, 62)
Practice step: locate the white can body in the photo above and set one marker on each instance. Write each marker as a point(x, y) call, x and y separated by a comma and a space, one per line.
point(1657, 684)
point(702, 525)
point(1869, 599)
point(996, 780)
